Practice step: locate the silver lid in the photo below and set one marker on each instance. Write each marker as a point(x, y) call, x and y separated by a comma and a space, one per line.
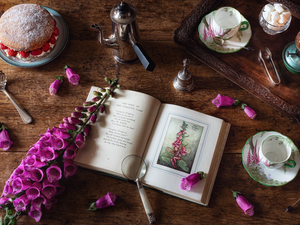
point(123, 13)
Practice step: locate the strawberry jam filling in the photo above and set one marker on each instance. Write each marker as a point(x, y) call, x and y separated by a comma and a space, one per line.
point(35, 52)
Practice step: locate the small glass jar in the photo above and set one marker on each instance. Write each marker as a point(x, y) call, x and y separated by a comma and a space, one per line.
point(273, 26)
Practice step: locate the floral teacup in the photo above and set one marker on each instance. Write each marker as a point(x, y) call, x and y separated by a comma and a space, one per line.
point(227, 21)
point(275, 152)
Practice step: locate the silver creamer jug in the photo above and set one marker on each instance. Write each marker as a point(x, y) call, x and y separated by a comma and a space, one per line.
point(125, 37)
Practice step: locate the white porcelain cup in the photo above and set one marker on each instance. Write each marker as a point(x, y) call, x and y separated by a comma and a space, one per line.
point(227, 21)
point(275, 152)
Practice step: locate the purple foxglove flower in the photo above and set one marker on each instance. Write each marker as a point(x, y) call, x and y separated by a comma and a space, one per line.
point(72, 76)
point(33, 161)
point(102, 109)
point(76, 114)
point(59, 189)
point(34, 191)
point(7, 190)
point(33, 151)
point(69, 153)
point(74, 121)
point(5, 142)
point(37, 202)
point(93, 118)
point(49, 189)
point(224, 101)
point(95, 99)
point(87, 130)
point(66, 119)
point(53, 173)
point(37, 175)
point(92, 109)
point(107, 200)
point(21, 203)
point(188, 182)
point(3, 201)
point(249, 112)
point(61, 133)
point(19, 171)
point(50, 203)
point(69, 168)
point(19, 185)
point(243, 203)
point(48, 154)
point(35, 213)
point(70, 126)
point(80, 109)
point(59, 143)
point(55, 85)
point(79, 140)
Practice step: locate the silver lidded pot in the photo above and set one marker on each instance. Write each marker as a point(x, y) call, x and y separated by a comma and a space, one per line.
point(125, 37)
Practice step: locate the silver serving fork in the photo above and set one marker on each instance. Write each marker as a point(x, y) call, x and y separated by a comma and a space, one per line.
point(24, 115)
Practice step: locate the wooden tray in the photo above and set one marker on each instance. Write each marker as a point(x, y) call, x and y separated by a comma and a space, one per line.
point(243, 67)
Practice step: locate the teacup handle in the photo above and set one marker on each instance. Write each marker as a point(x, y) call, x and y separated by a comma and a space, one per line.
point(244, 26)
point(290, 164)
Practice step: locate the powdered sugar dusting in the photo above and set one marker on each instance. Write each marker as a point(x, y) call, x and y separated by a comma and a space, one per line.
point(25, 24)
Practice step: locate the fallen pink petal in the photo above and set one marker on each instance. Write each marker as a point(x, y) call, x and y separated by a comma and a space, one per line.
point(188, 182)
point(5, 142)
point(224, 101)
point(249, 112)
point(107, 200)
point(243, 203)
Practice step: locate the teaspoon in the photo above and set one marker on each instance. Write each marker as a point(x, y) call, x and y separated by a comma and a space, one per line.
point(220, 41)
point(24, 115)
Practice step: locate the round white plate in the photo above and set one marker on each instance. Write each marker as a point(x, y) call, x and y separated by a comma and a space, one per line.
point(258, 171)
point(58, 48)
point(234, 44)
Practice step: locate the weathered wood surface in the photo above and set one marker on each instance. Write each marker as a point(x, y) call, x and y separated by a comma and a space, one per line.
point(157, 21)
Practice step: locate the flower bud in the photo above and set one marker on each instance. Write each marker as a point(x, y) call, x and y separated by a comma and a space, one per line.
point(93, 118)
point(80, 109)
point(74, 121)
point(55, 85)
point(188, 182)
point(87, 130)
point(72, 76)
point(107, 200)
point(95, 99)
point(5, 142)
point(102, 109)
point(79, 140)
point(249, 112)
point(76, 114)
point(243, 203)
point(87, 103)
point(92, 109)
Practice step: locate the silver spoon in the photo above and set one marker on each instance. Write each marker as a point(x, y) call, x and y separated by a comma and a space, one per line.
point(269, 53)
point(220, 41)
point(24, 115)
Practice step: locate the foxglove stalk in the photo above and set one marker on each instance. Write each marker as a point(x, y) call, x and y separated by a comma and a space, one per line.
point(188, 182)
point(72, 76)
point(243, 203)
point(5, 142)
point(249, 112)
point(35, 183)
point(224, 101)
point(55, 85)
point(107, 200)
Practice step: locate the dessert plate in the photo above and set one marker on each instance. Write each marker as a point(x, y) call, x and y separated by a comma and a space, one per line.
point(234, 44)
point(258, 171)
point(58, 48)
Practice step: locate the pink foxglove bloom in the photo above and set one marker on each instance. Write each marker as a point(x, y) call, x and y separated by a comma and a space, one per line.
point(76, 114)
point(249, 112)
point(37, 175)
point(224, 101)
point(243, 203)
point(34, 191)
point(3, 201)
point(37, 202)
point(53, 173)
point(21, 203)
point(70, 152)
point(50, 203)
point(5, 142)
point(48, 190)
point(87, 130)
point(69, 168)
point(93, 118)
point(107, 200)
point(72, 76)
point(35, 213)
point(92, 109)
point(102, 109)
point(74, 121)
point(55, 85)
point(79, 140)
point(188, 182)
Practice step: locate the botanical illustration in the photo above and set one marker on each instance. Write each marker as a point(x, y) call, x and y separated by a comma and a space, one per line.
point(180, 145)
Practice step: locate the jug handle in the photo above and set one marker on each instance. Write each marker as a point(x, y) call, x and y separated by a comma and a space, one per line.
point(142, 55)
point(110, 41)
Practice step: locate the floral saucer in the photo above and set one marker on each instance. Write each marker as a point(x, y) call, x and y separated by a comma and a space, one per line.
point(234, 44)
point(258, 171)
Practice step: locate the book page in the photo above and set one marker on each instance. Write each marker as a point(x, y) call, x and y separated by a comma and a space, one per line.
point(122, 130)
point(182, 143)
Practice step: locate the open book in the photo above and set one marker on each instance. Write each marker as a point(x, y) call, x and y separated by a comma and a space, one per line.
point(174, 142)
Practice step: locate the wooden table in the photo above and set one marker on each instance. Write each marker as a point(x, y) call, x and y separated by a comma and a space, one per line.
point(157, 22)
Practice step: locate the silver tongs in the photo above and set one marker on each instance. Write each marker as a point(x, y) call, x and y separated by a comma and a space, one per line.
point(269, 56)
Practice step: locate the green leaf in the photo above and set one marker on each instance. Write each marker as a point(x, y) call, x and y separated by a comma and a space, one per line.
point(183, 165)
point(167, 160)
